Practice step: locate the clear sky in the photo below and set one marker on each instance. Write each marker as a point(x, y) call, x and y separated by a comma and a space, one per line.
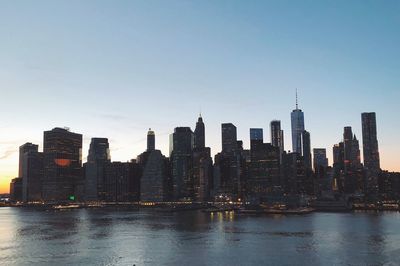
point(116, 68)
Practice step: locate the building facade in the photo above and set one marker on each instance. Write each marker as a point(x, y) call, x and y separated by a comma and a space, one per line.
point(62, 179)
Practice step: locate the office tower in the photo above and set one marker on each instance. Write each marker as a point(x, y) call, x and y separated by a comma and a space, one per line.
point(99, 155)
point(32, 175)
point(229, 137)
point(121, 182)
point(256, 134)
point(151, 140)
point(370, 150)
point(295, 179)
point(202, 171)
point(352, 173)
point(263, 172)
point(277, 137)
point(228, 164)
point(256, 138)
point(16, 189)
point(348, 145)
point(155, 183)
point(202, 165)
point(338, 155)
point(351, 151)
point(154, 180)
point(181, 159)
point(27, 147)
point(355, 154)
point(199, 134)
point(297, 119)
point(31, 171)
point(306, 149)
point(320, 161)
point(62, 165)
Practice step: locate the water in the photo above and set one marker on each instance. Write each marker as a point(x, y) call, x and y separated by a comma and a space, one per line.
point(111, 237)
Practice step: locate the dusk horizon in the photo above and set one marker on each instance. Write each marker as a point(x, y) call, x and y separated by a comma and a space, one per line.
point(199, 132)
point(102, 74)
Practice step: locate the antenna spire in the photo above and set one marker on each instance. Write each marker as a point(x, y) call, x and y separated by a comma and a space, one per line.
point(297, 101)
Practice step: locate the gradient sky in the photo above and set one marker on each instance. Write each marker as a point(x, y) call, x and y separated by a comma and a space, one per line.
point(116, 68)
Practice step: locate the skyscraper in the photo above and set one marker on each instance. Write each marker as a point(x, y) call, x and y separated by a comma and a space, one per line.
point(351, 151)
point(306, 149)
point(155, 185)
point(99, 154)
point(228, 163)
point(320, 160)
point(277, 137)
point(229, 137)
point(27, 147)
point(16, 189)
point(264, 171)
point(121, 181)
point(199, 134)
point(370, 150)
point(256, 138)
point(32, 175)
point(202, 166)
point(348, 145)
point(31, 171)
point(151, 140)
point(181, 158)
point(62, 165)
point(297, 119)
point(154, 181)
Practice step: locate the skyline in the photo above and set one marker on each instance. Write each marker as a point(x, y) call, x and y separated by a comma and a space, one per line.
point(115, 70)
point(213, 153)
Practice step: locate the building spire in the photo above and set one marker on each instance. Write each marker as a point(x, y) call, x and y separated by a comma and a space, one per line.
point(297, 101)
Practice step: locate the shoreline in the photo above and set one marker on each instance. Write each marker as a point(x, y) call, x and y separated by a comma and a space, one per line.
point(205, 208)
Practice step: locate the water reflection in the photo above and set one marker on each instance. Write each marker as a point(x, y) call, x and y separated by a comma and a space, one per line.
point(117, 237)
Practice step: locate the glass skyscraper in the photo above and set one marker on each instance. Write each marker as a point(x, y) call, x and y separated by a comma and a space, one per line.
point(297, 119)
point(370, 150)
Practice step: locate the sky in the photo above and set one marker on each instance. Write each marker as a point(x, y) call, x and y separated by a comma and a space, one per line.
point(117, 68)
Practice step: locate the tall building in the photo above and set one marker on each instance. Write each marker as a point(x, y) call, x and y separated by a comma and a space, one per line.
point(155, 185)
point(181, 161)
point(16, 189)
point(229, 137)
point(99, 155)
point(27, 147)
point(202, 171)
point(228, 164)
point(151, 140)
point(277, 136)
point(338, 155)
point(31, 171)
point(306, 149)
point(202, 165)
point(370, 150)
point(263, 172)
point(351, 151)
point(32, 175)
point(297, 119)
point(295, 179)
point(347, 168)
point(62, 165)
point(256, 138)
point(348, 145)
point(199, 134)
point(121, 181)
point(154, 180)
point(320, 161)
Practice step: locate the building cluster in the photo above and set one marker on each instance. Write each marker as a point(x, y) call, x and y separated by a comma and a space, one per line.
point(264, 173)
